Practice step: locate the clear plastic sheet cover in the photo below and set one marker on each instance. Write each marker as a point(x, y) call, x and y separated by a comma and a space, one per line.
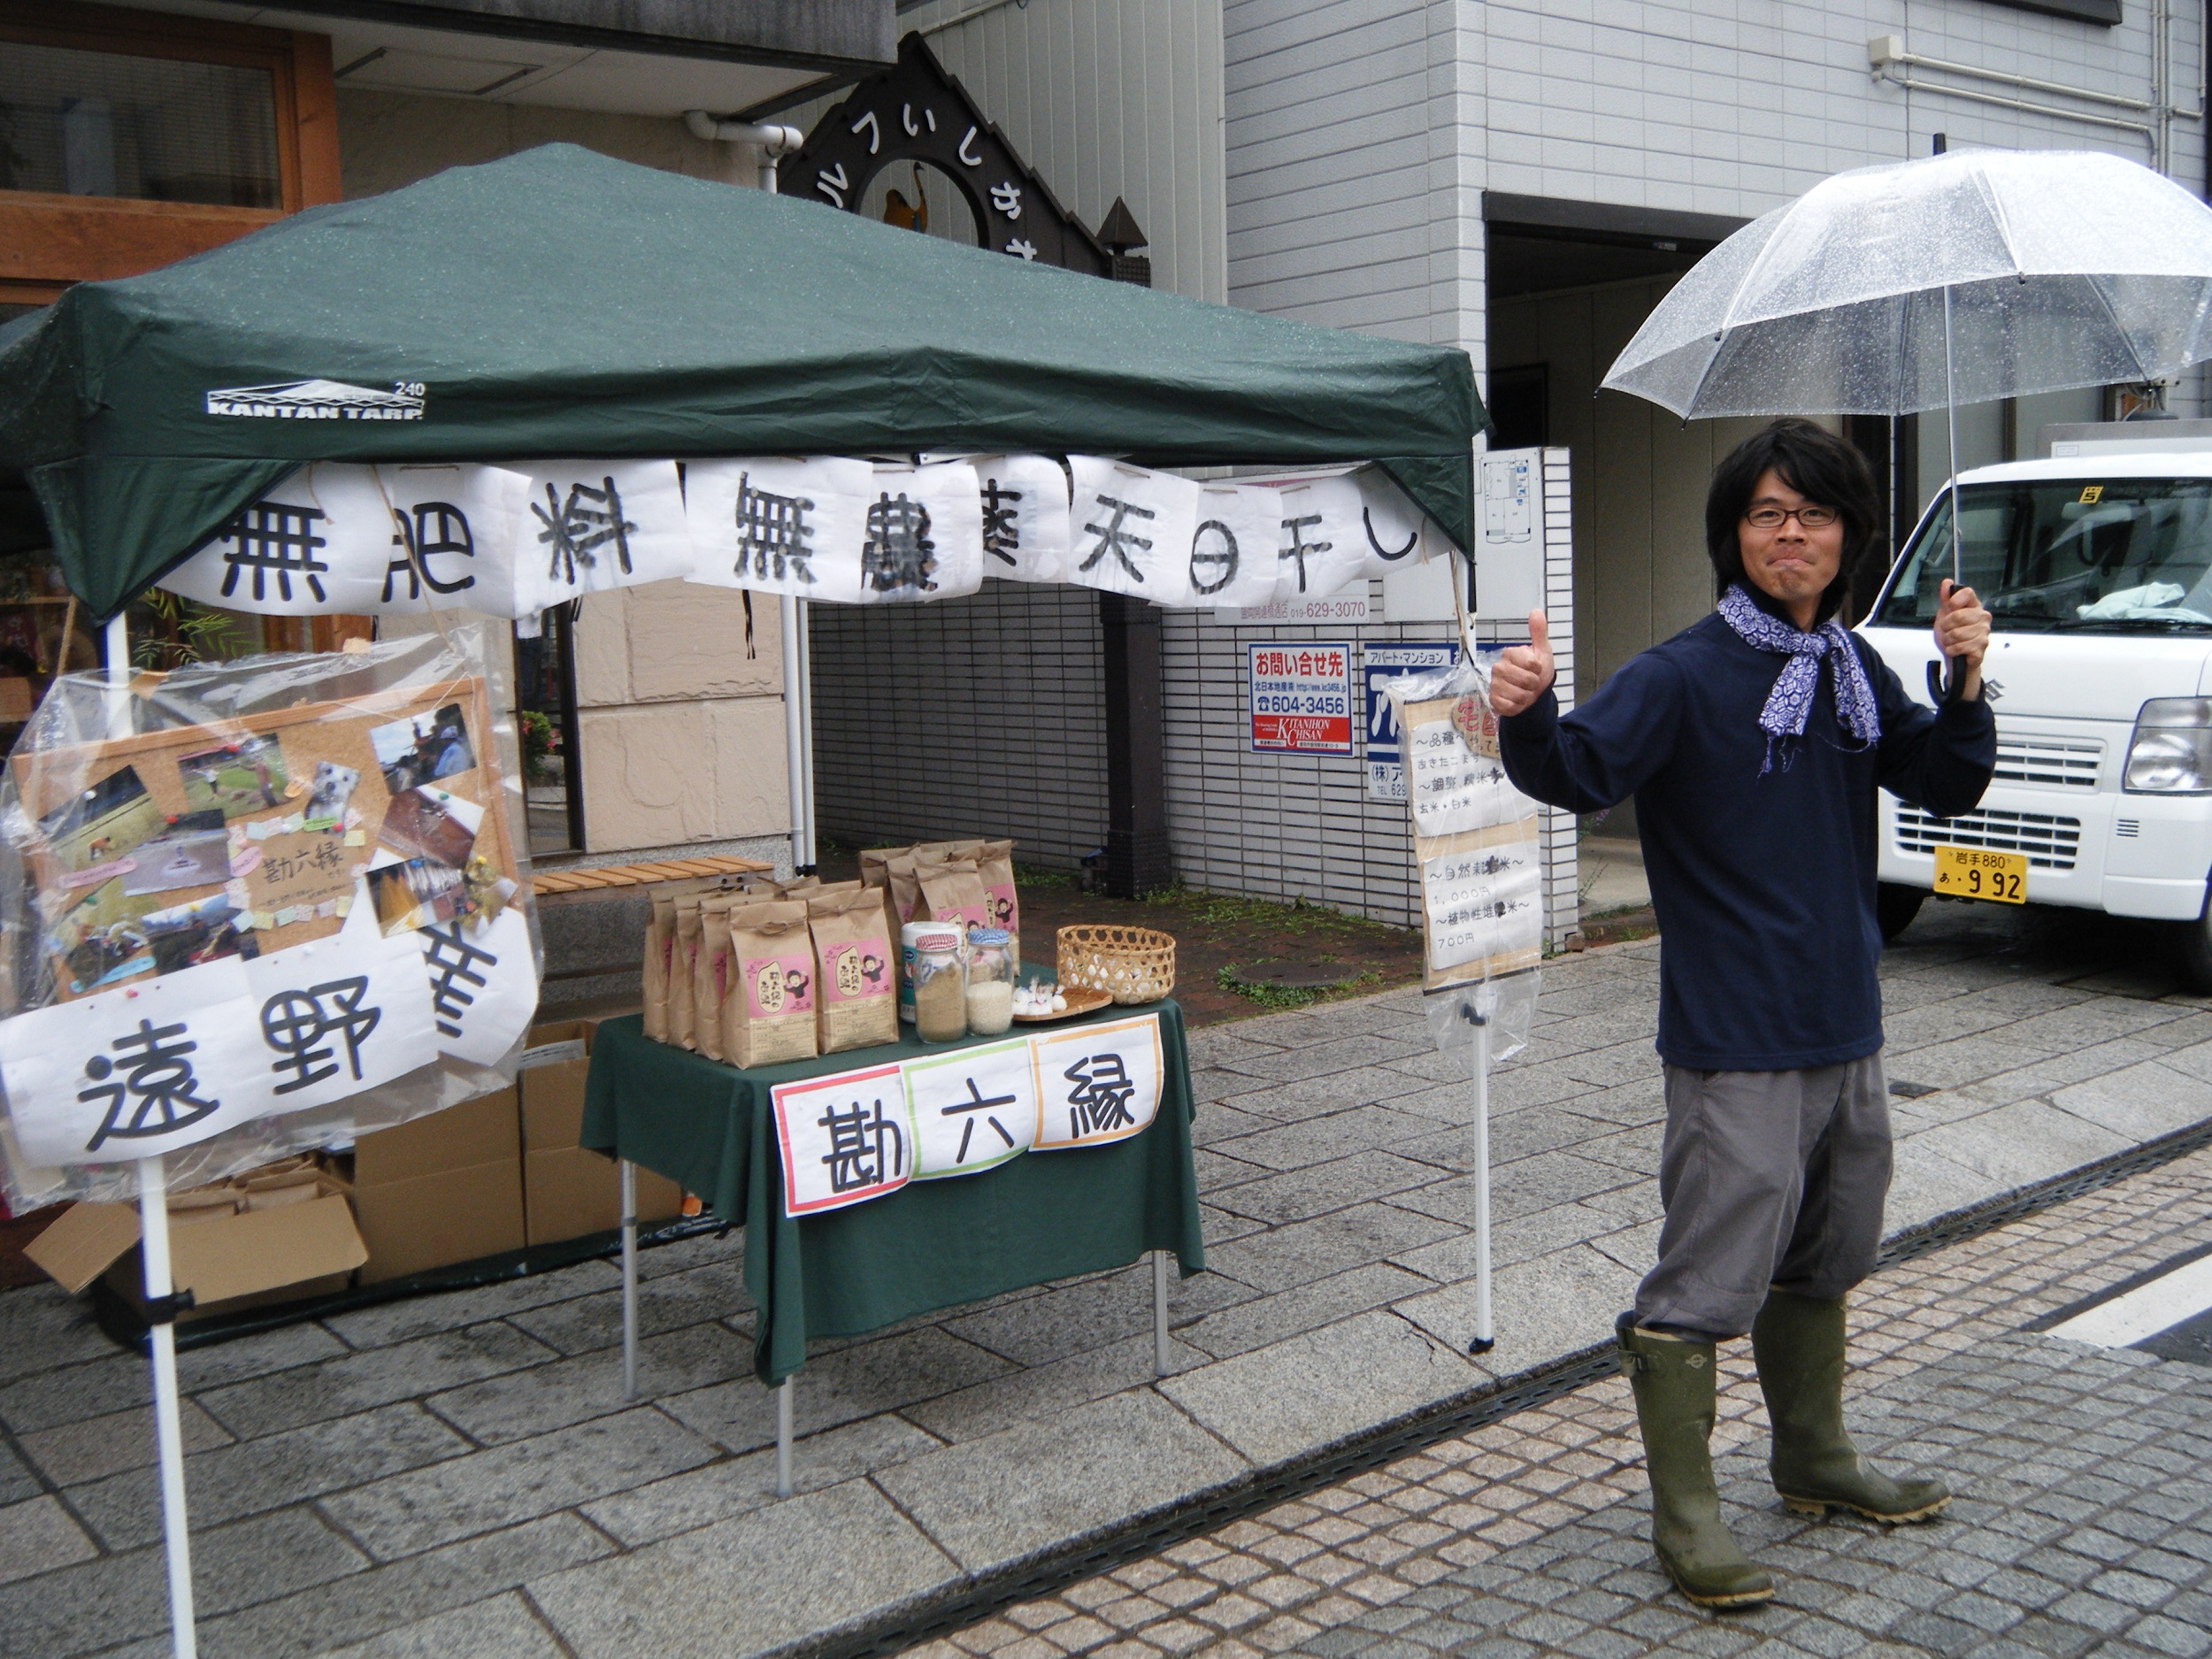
point(241, 767)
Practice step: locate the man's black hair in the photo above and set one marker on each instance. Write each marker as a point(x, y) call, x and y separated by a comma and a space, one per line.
point(1818, 465)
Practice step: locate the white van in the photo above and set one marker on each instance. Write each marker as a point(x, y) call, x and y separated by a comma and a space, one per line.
point(2096, 567)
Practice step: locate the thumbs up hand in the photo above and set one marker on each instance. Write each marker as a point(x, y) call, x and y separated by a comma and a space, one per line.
point(1525, 672)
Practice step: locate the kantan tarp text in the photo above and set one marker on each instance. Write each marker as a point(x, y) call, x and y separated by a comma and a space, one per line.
point(561, 303)
point(256, 908)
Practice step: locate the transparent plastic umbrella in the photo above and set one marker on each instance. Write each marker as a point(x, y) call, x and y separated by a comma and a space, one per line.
point(1961, 278)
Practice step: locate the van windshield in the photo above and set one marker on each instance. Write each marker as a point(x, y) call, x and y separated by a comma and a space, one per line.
point(2080, 555)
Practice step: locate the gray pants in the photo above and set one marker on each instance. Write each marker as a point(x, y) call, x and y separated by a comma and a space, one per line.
point(1769, 1178)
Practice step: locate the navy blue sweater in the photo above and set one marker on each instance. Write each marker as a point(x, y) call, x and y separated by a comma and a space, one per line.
point(1764, 885)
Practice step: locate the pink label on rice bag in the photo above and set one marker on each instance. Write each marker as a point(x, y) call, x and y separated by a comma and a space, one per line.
point(779, 984)
point(855, 972)
point(1005, 908)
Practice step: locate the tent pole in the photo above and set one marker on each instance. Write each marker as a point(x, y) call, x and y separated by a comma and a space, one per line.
point(161, 1335)
point(807, 847)
point(1486, 1336)
point(795, 754)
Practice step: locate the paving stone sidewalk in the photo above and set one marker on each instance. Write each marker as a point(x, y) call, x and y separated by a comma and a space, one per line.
point(471, 1454)
point(2083, 1521)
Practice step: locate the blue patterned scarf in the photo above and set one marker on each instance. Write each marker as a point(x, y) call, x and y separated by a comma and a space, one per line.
point(1792, 698)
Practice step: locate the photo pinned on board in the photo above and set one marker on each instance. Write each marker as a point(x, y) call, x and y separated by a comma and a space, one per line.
point(101, 940)
point(423, 749)
point(431, 823)
point(192, 854)
point(201, 930)
point(93, 835)
point(328, 793)
point(417, 893)
point(241, 777)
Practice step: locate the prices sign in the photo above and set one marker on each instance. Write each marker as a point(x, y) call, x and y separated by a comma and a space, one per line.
point(1301, 699)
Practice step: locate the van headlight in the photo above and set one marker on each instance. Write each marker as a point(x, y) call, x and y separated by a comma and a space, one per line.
point(2171, 751)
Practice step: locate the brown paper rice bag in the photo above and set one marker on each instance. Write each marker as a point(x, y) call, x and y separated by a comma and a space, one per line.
point(682, 957)
point(660, 939)
point(768, 1015)
point(995, 867)
point(857, 970)
point(944, 852)
point(871, 859)
point(954, 892)
point(710, 970)
point(905, 890)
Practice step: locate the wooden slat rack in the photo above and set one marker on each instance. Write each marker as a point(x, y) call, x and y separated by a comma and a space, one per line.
point(610, 876)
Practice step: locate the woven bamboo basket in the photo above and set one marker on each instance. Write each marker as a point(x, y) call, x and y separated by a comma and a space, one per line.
point(1131, 964)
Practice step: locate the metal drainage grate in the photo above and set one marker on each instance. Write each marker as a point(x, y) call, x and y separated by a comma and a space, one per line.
point(2049, 842)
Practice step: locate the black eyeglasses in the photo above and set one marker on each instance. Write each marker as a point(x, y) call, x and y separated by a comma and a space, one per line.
point(1775, 518)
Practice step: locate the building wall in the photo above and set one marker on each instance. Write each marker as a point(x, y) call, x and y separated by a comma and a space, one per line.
point(1105, 98)
point(982, 716)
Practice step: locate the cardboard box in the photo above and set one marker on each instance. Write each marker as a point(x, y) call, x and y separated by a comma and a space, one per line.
point(272, 1235)
point(444, 1189)
point(568, 1192)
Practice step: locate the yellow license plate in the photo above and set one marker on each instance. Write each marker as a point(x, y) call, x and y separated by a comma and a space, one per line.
point(1974, 872)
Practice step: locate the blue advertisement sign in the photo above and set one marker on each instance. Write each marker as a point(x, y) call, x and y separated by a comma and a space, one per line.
point(1384, 743)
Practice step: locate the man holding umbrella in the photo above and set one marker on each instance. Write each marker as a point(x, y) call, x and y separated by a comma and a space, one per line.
point(1754, 743)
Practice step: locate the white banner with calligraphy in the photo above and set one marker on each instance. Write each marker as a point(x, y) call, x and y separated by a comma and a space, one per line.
point(150, 1067)
point(1233, 550)
point(1097, 1084)
point(857, 1135)
point(922, 535)
point(483, 983)
point(1025, 528)
point(342, 1014)
point(972, 1109)
point(592, 525)
point(1132, 531)
point(779, 525)
point(843, 1138)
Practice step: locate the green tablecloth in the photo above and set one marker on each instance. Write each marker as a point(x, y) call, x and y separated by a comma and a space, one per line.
point(931, 1244)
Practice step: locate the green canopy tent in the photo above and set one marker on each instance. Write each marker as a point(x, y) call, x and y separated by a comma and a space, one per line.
point(558, 303)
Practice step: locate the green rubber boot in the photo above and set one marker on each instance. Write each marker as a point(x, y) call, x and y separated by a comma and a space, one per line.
point(1798, 1343)
point(1673, 1382)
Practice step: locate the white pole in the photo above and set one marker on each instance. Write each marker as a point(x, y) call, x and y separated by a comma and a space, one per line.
point(153, 1222)
point(1159, 1313)
point(629, 1279)
point(793, 726)
point(806, 731)
point(1485, 1338)
point(783, 1437)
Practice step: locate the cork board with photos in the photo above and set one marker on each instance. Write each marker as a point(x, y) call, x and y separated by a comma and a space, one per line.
point(165, 849)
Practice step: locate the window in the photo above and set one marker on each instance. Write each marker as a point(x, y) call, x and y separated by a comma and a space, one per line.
point(132, 139)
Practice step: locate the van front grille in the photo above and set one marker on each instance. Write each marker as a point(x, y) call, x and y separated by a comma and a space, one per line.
point(2048, 763)
point(2050, 843)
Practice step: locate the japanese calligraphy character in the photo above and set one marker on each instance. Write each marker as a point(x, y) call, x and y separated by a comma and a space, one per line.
point(832, 182)
point(158, 1075)
point(773, 532)
point(977, 1102)
point(1002, 536)
point(577, 529)
point(898, 552)
point(866, 1147)
point(452, 962)
point(972, 161)
point(1100, 1100)
point(1114, 540)
point(1299, 547)
point(875, 131)
point(1021, 250)
point(269, 537)
point(297, 1025)
point(431, 529)
point(1220, 556)
point(1007, 198)
point(1382, 551)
